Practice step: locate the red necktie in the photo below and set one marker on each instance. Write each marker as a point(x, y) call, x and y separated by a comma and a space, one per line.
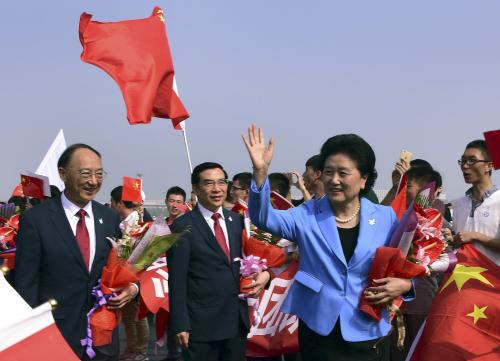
point(219, 235)
point(82, 237)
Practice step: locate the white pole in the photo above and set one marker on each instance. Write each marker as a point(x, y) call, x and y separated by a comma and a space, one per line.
point(187, 149)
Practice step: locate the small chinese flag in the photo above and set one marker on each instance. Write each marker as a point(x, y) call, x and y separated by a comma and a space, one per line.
point(35, 185)
point(132, 189)
point(493, 143)
point(136, 54)
point(240, 207)
point(280, 202)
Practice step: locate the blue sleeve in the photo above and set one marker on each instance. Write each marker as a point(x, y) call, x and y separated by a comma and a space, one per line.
point(411, 294)
point(264, 216)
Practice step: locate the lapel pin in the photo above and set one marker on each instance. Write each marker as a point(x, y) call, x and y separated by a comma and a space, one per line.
point(230, 219)
point(100, 220)
point(371, 221)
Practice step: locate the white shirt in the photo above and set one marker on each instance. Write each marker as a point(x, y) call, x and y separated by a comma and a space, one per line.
point(486, 220)
point(71, 211)
point(208, 217)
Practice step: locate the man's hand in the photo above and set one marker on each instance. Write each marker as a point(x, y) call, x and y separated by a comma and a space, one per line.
point(389, 288)
point(124, 296)
point(183, 339)
point(259, 282)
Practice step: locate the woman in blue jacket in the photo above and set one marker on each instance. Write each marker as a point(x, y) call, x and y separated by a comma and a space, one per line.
point(337, 237)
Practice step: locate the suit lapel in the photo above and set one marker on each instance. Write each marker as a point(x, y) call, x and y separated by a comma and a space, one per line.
point(328, 227)
point(234, 235)
point(367, 228)
point(209, 237)
point(100, 241)
point(61, 224)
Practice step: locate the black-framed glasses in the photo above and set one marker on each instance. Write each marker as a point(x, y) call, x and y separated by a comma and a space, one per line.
point(210, 183)
point(236, 188)
point(86, 174)
point(471, 161)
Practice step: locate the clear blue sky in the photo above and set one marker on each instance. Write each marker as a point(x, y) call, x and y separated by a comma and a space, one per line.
point(421, 75)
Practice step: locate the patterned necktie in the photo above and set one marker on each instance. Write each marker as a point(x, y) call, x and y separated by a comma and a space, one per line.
point(82, 237)
point(219, 235)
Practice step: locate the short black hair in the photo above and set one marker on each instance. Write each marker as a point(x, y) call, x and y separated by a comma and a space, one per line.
point(280, 182)
point(54, 191)
point(177, 191)
point(314, 162)
point(19, 201)
point(116, 195)
point(420, 163)
point(355, 148)
point(195, 176)
point(245, 178)
point(65, 158)
point(425, 174)
point(481, 145)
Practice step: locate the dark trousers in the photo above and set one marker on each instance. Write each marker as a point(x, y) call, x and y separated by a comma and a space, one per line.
point(108, 352)
point(412, 325)
point(232, 349)
point(333, 347)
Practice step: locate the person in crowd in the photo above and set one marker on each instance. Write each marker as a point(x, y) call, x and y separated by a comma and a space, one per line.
point(415, 311)
point(401, 168)
point(241, 187)
point(175, 200)
point(280, 184)
point(312, 178)
point(337, 236)
point(462, 323)
point(62, 248)
point(206, 314)
point(137, 331)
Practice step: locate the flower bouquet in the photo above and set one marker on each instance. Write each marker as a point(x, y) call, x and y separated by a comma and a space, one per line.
point(140, 245)
point(9, 227)
point(416, 248)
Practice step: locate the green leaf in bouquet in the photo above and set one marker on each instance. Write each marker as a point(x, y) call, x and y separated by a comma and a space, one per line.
point(155, 248)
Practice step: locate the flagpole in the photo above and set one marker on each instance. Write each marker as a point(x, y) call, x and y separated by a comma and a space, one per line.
point(187, 149)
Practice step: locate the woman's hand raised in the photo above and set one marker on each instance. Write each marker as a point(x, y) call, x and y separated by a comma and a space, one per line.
point(260, 154)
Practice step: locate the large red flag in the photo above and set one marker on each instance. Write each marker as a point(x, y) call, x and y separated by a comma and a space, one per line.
point(136, 54)
point(463, 322)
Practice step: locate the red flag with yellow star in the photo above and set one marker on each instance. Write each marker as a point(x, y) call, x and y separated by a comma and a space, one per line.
point(463, 322)
point(136, 54)
point(132, 189)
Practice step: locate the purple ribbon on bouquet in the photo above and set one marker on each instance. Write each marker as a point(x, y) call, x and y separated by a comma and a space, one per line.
point(100, 300)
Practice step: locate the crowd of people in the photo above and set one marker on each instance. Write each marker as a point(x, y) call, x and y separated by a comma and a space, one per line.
point(337, 226)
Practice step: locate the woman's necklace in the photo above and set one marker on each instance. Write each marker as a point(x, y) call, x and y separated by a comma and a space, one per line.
point(347, 220)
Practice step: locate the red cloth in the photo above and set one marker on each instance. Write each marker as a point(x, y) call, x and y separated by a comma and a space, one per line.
point(46, 344)
point(83, 238)
point(399, 202)
point(219, 235)
point(493, 143)
point(388, 262)
point(136, 54)
point(463, 322)
point(18, 191)
point(132, 189)
point(274, 255)
point(116, 274)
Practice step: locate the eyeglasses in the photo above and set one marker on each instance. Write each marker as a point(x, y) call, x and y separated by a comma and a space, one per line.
point(471, 161)
point(236, 188)
point(210, 183)
point(86, 174)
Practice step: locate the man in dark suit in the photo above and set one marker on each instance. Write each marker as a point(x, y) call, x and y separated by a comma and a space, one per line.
point(210, 321)
point(62, 248)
